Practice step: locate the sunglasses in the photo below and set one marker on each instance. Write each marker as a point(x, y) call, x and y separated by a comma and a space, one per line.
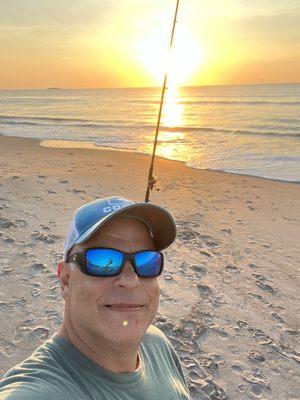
point(105, 262)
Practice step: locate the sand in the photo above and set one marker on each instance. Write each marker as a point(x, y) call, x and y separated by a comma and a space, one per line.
point(230, 290)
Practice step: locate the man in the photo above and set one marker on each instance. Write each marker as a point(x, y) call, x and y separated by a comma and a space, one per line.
point(106, 347)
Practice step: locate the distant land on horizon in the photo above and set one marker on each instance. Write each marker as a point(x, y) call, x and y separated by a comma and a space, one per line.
point(155, 87)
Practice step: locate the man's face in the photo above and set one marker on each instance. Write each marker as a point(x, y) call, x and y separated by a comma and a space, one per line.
point(115, 309)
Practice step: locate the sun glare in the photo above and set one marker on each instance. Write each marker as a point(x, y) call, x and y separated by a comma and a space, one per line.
point(172, 110)
point(185, 58)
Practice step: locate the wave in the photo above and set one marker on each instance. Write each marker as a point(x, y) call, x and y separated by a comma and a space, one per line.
point(228, 131)
point(230, 102)
point(222, 102)
point(121, 125)
point(266, 134)
point(65, 122)
point(46, 119)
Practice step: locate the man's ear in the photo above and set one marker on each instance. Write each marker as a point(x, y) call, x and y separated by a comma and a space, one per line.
point(63, 273)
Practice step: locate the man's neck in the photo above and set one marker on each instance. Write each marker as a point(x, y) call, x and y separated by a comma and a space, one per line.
point(111, 357)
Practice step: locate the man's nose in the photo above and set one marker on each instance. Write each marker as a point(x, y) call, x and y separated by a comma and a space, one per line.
point(128, 277)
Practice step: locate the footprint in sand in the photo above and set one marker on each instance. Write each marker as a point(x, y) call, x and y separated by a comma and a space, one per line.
point(260, 277)
point(9, 239)
point(199, 269)
point(168, 278)
point(40, 332)
point(6, 223)
point(3, 306)
point(266, 246)
point(35, 292)
point(196, 374)
point(21, 223)
point(45, 227)
point(211, 243)
point(291, 332)
point(265, 287)
point(231, 269)
point(76, 191)
point(256, 356)
point(242, 388)
point(36, 268)
point(213, 390)
point(252, 266)
point(237, 369)
point(205, 290)
point(225, 230)
point(54, 317)
point(242, 324)
point(277, 317)
point(5, 271)
point(21, 302)
point(256, 380)
point(262, 338)
point(205, 253)
point(258, 297)
point(221, 333)
point(50, 239)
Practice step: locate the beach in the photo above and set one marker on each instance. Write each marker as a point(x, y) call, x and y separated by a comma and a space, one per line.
point(230, 288)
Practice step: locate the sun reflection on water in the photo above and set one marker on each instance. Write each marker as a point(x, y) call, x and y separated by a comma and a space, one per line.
point(172, 111)
point(172, 142)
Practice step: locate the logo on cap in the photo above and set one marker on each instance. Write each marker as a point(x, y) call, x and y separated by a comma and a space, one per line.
point(115, 204)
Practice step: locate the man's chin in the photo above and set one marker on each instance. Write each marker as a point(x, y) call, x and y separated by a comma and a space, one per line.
point(124, 330)
point(127, 337)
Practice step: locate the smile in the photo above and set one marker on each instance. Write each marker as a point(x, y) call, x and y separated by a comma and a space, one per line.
point(124, 307)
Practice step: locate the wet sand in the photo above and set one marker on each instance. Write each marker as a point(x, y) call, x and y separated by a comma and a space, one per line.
point(230, 290)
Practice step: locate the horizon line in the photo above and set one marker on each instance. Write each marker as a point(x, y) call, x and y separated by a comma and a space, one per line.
point(152, 87)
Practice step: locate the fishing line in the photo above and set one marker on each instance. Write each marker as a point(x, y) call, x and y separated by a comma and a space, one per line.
point(153, 179)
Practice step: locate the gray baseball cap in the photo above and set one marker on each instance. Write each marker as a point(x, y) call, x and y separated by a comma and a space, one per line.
point(91, 216)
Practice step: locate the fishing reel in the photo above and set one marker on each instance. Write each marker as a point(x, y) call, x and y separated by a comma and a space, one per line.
point(152, 183)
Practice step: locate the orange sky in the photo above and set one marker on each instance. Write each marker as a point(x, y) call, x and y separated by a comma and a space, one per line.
point(70, 43)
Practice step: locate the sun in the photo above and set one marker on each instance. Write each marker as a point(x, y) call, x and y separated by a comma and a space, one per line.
point(186, 56)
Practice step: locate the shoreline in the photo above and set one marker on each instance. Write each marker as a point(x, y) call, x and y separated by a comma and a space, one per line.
point(89, 145)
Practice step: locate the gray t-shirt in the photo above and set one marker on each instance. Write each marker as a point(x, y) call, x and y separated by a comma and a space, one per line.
point(57, 370)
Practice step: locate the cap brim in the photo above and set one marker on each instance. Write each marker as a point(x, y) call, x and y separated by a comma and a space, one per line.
point(160, 221)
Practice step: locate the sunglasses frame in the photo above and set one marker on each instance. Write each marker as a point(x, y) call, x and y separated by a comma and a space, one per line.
point(79, 258)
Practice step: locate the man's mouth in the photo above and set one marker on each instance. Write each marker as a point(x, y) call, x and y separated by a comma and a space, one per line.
point(124, 307)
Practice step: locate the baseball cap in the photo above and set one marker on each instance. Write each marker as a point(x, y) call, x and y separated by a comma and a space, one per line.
point(91, 216)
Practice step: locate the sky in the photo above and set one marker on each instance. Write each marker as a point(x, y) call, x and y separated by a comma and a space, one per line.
point(124, 43)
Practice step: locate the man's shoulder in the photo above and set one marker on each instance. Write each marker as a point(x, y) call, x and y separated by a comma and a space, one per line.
point(153, 333)
point(36, 378)
point(27, 391)
point(41, 360)
point(159, 351)
point(157, 341)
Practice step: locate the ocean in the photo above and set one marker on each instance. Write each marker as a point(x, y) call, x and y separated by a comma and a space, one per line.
point(244, 129)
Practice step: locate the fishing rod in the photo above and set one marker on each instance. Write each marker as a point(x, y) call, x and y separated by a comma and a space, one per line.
point(152, 179)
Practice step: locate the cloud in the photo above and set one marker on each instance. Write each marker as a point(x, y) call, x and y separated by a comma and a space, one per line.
point(278, 30)
point(24, 13)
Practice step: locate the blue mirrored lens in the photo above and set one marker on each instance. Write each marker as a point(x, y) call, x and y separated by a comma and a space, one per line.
point(103, 261)
point(148, 263)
